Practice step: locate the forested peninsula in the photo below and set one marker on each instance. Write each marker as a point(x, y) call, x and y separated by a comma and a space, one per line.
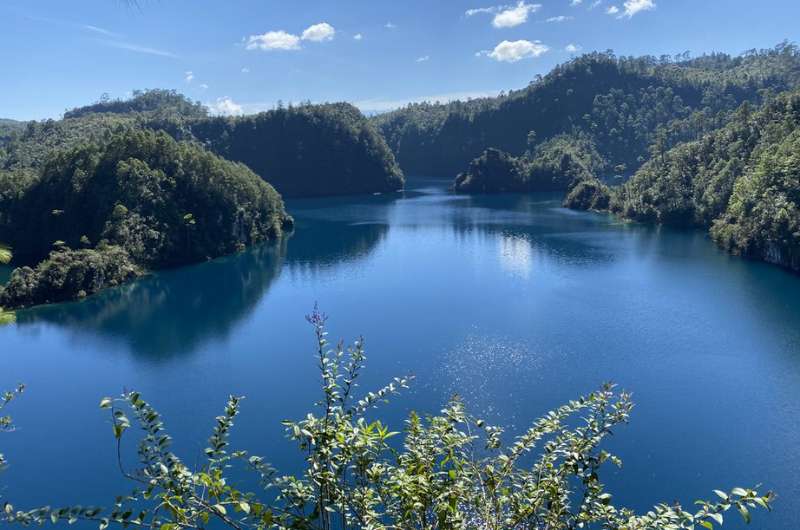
point(708, 142)
point(122, 187)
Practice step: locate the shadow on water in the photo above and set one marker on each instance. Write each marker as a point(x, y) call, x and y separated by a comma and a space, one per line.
point(172, 312)
point(176, 312)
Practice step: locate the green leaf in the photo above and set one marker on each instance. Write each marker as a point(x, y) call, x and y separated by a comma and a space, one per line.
point(745, 512)
point(105, 403)
point(721, 494)
point(707, 524)
point(717, 517)
point(740, 492)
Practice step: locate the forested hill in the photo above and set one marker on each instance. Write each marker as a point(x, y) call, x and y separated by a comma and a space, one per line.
point(307, 150)
point(626, 104)
point(742, 181)
point(7, 129)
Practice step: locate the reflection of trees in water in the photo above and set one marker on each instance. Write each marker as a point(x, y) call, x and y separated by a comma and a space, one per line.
point(535, 225)
point(176, 311)
point(329, 232)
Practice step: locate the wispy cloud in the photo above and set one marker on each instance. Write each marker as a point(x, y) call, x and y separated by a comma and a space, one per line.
point(423, 59)
point(101, 31)
point(188, 76)
point(139, 49)
point(389, 25)
point(358, 36)
point(560, 18)
point(573, 48)
point(612, 10)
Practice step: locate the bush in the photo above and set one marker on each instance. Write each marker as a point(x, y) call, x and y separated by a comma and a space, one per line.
point(67, 275)
point(449, 471)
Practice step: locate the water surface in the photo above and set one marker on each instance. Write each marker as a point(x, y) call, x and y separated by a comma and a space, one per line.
point(510, 301)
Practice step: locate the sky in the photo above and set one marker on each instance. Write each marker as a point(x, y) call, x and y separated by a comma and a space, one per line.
point(244, 56)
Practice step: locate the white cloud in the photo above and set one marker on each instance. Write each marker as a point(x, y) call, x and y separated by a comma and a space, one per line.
point(358, 36)
point(423, 58)
point(514, 16)
point(273, 40)
point(389, 25)
point(635, 6)
point(575, 3)
point(481, 10)
point(204, 86)
point(245, 70)
point(188, 77)
point(595, 4)
point(573, 48)
point(226, 107)
point(319, 32)
point(560, 18)
point(513, 51)
point(612, 10)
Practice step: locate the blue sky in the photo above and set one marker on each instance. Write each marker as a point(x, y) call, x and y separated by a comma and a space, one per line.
point(245, 55)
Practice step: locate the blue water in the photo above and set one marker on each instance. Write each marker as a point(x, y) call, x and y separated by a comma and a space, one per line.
point(510, 301)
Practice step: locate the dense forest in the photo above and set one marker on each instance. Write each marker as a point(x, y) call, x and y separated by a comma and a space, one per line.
point(710, 142)
point(308, 150)
point(120, 187)
point(141, 197)
point(742, 181)
point(626, 104)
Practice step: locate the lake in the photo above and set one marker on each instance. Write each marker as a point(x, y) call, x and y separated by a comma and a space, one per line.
point(510, 301)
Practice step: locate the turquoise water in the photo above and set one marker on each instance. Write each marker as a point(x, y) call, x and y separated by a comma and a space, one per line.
point(510, 301)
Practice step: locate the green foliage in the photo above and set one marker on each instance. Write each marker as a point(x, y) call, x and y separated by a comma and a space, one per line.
point(306, 150)
point(162, 201)
point(446, 471)
point(621, 102)
point(5, 254)
point(763, 216)
point(553, 165)
point(741, 179)
point(156, 103)
point(589, 194)
point(6, 424)
point(67, 275)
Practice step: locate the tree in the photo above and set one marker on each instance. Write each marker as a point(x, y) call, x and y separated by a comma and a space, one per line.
point(446, 472)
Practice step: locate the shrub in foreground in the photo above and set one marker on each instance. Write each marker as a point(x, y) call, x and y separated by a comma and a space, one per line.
point(448, 471)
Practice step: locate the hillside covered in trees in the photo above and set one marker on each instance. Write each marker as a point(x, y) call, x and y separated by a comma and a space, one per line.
point(710, 142)
point(307, 150)
point(100, 213)
point(124, 186)
point(742, 181)
point(626, 104)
